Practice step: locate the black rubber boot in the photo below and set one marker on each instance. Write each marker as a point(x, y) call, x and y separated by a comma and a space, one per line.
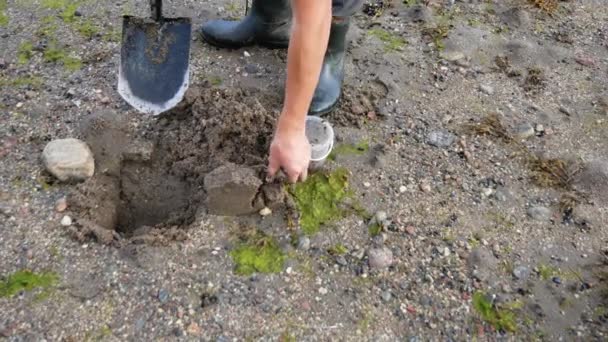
point(268, 23)
point(329, 87)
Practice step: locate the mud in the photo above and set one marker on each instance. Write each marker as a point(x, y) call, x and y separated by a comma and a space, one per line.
point(150, 182)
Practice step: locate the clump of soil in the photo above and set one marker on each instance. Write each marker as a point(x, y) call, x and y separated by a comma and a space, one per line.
point(358, 106)
point(152, 182)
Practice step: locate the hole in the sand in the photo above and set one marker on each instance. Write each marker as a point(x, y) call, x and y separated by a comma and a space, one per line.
point(150, 197)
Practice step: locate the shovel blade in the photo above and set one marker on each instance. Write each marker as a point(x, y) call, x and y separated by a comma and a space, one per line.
point(154, 71)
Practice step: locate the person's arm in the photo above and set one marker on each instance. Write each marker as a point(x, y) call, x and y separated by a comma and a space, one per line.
point(290, 149)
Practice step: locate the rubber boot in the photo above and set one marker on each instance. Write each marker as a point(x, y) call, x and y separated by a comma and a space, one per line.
point(329, 87)
point(268, 23)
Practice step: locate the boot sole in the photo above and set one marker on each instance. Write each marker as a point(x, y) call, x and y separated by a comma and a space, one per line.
point(330, 109)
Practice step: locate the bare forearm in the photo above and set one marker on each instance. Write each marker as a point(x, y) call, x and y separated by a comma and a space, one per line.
point(312, 19)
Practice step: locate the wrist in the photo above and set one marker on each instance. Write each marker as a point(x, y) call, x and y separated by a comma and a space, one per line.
point(291, 124)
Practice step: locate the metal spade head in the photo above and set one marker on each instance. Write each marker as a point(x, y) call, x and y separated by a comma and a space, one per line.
point(154, 62)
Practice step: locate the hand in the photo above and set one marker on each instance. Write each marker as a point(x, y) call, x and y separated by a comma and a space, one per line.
point(289, 151)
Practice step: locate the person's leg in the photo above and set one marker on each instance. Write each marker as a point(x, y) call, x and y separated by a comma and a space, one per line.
point(267, 23)
point(329, 87)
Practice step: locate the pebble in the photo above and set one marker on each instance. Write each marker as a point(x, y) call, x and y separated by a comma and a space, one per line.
point(380, 257)
point(69, 160)
point(386, 296)
point(265, 212)
point(381, 216)
point(521, 272)
point(163, 295)
point(341, 260)
point(61, 205)
point(524, 131)
point(411, 230)
point(425, 187)
point(194, 329)
point(304, 243)
point(446, 252)
point(5, 209)
point(486, 89)
point(323, 291)
point(557, 280)
point(246, 54)
point(540, 128)
point(402, 189)
point(440, 138)
point(539, 213)
point(367, 184)
point(66, 221)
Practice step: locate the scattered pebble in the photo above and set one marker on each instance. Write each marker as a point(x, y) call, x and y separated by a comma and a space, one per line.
point(163, 295)
point(304, 243)
point(402, 189)
point(440, 139)
point(265, 212)
point(557, 280)
point(61, 205)
point(386, 296)
point(540, 213)
point(486, 89)
point(521, 272)
point(381, 216)
point(66, 221)
point(411, 230)
point(69, 160)
point(323, 291)
point(380, 257)
point(425, 187)
point(246, 54)
point(523, 131)
point(193, 329)
point(367, 184)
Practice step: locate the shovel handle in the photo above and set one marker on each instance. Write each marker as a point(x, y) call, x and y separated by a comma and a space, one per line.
point(157, 9)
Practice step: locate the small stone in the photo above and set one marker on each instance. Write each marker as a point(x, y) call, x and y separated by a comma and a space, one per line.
point(540, 213)
point(265, 212)
point(69, 160)
point(323, 291)
point(61, 205)
point(425, 187)
point(540, 128)
point(367, 184)
point(446, 252)
point(557, 280)
point(402, 189)
point(565, 110)
point(341, 260)
point(66, 221)
point(451, 55)
point(523, 131)
point(411, 230)
point(380, 258)
point(521, 272)
point(486, 89)
point(105, 100)
point(246, 54)
point(381, 216)
point(304, 243)
point(193, 329)
point(487, 192)
point(386, 296)
point(441, 139)
point(163, 295)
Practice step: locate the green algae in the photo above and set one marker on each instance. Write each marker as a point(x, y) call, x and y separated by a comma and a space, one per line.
point(259, 253)
point(391, 41)
point(319, 199)
point(3, 15)
point(56, 54)
point(26, 280)
point(25, 53)
point(501, 318)
point(29, 81)
point(337, 249)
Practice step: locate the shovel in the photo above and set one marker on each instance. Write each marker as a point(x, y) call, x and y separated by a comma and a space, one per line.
point(155, 61)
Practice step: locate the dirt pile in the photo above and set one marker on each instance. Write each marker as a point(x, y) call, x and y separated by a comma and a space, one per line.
point(154, 181)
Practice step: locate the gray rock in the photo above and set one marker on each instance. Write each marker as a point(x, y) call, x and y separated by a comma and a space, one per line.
point(386, 296)
point(163, 295)
point(381, 216)
point(5, 209)
point(486, 89)
point(521, 272)
point(380, 258)
point(231, 190)
point(69, 160)
point(341, 260)
point(516, 18)
point(523, 131)
point(540, 213)
point(441, 138)
point(304, 243)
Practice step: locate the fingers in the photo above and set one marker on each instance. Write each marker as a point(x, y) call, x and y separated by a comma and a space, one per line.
point(293, 176)
point(273, 167)
point(304, 175)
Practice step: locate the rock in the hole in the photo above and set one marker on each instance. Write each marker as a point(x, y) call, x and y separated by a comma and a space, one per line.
point(69, 160)
point(231, 190)
point(380, 258)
